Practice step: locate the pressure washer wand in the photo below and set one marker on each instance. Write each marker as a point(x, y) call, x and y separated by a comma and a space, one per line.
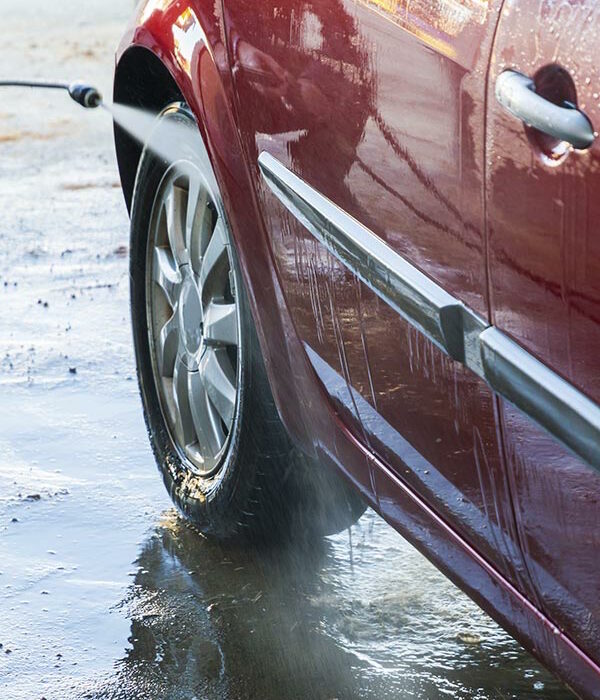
point(85, 95)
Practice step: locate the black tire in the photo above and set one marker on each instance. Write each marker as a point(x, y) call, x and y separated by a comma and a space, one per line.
point(263, 487)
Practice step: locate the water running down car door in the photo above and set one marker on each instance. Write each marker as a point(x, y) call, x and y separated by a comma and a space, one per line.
point(544, 256)
point(380, 108)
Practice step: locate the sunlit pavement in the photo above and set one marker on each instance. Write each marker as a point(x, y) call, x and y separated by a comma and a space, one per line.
point(104, 593)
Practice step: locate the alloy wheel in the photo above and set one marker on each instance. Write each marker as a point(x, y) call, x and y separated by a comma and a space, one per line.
point(193, 317)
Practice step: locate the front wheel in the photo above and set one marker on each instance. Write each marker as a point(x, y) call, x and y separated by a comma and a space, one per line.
point(224, 454)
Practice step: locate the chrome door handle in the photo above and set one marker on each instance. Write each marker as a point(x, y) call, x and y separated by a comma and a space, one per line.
point(516, 93)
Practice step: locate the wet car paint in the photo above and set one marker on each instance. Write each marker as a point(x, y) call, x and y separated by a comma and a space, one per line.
point(543, 224)
point(205, 82)
point(392, 100)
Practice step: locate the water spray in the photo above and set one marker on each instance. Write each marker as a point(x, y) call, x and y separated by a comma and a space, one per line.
point(85, 95)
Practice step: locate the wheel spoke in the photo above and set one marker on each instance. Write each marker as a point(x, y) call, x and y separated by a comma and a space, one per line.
point(214, 252)
point(166, 275)
point(175, 210)
point(198, 221)
point(196, 201)
point(168, 344)
point(207, 424)
point(220, 324)
point(184, 425)
point(202, 229)
point(219, 379)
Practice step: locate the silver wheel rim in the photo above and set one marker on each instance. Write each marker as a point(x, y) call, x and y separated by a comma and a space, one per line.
point(193, 318)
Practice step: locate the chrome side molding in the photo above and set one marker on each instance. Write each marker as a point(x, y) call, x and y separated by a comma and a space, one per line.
point(542, 394)
point(441, 317)
point(506, 367)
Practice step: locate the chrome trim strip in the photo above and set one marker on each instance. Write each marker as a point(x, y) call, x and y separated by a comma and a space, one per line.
point(542, 394)
point(442, 318)
point(507, 368)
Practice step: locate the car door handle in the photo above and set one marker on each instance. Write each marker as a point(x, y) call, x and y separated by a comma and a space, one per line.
point(516, 93)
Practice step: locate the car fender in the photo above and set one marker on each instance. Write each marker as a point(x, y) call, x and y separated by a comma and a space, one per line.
point(188, 39)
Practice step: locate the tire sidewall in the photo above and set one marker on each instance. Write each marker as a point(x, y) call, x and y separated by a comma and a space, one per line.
point(202, 499)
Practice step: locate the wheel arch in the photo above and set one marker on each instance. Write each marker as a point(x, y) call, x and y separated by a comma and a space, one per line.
point(141, 80)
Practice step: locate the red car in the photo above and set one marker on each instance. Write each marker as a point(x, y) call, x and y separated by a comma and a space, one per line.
point(365, 242)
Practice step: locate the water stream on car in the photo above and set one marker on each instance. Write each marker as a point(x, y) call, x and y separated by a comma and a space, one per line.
point(104, 592)
point(140, 124)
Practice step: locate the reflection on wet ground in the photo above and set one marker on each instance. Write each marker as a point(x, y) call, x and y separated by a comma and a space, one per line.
point(104, 593)
point(360, 615)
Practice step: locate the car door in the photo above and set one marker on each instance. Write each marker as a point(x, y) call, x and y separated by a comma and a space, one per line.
point(367, 119)
point(544, 248)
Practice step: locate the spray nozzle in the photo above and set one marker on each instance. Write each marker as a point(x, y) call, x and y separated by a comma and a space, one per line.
point(85, 95)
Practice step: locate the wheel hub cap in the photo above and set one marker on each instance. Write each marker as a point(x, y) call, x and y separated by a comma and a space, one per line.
point(190, 317)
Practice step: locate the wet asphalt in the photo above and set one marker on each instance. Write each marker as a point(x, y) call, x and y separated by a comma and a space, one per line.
point(104, 592)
